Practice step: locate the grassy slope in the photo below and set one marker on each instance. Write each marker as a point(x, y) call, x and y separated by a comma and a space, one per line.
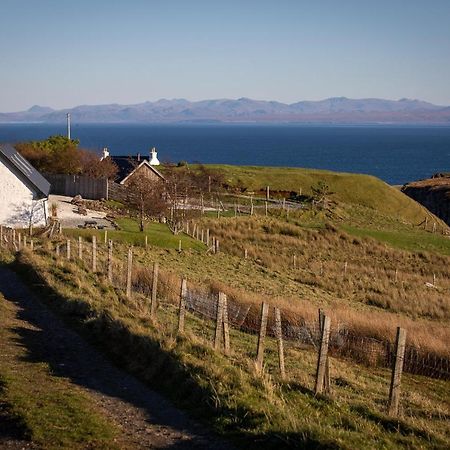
point(46, 409)
point(259, 412)
point(364, 190)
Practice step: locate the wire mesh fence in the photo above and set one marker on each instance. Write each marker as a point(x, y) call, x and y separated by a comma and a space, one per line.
point(200, 301)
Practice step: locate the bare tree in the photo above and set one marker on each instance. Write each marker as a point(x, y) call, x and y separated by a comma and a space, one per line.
point(147, 197)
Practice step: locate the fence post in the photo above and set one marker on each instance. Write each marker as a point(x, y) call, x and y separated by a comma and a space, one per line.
point(182, 307)
point(106, 236)
point(279, 336)
point(153, 304)
point(57, 250)
point(80, 247)
point(261, 336)
point(207, 237)
point(146, 241)
point(326, 380)
point(216, 247)
point(94, 253)
point(31, 245)
point(219, 322)
point(267, 192)
point(394, 391)
point(129, 271)
point(266, 208)
point(110, 250)
point(68, 249)
point(179, 246)
point(226, 328)
point(323, 353)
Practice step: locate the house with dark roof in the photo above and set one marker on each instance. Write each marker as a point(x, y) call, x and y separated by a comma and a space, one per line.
point(132, 166)
point(23, 191)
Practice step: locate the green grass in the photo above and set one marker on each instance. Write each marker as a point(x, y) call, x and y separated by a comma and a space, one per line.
point(412, 240)
point(256, 411)
point(158, 234)
point(352, 189)
point(46, 409)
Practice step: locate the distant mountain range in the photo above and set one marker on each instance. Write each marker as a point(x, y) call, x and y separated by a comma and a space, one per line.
point(338, 110)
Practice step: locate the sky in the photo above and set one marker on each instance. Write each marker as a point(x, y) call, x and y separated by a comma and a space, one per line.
point(63, 53)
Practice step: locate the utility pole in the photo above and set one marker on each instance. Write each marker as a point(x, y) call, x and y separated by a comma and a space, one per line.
point(68, 126)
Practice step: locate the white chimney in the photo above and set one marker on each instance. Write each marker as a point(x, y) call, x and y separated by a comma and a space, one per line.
point(105, 153)
point(154, 157)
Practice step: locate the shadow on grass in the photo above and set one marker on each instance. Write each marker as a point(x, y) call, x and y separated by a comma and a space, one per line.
point(12, 428)
point(70, 357)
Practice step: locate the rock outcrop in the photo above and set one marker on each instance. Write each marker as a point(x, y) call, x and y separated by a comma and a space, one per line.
point(433, 193)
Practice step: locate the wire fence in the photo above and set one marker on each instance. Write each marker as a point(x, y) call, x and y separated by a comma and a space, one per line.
point(137, 279)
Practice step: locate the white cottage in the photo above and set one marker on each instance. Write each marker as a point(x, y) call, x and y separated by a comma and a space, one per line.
point(23, 191)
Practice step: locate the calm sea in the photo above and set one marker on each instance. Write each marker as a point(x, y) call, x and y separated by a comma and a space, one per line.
point(394, 154)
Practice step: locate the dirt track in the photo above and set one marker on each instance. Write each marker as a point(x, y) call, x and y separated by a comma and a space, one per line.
point(146, 419)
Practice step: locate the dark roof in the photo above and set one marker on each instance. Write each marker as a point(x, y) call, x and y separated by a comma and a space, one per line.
point(8, 152)
point(127, 164)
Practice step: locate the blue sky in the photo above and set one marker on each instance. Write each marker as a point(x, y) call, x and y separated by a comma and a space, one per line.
point(62, 53)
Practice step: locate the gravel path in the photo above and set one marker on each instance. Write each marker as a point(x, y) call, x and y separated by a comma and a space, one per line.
point(146, 418)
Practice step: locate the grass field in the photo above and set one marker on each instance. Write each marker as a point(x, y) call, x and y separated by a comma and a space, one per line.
point(350, 189)
point(255, 411)
point(158, 234)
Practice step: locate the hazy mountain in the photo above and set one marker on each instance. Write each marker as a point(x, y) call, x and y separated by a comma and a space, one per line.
point(331, 110)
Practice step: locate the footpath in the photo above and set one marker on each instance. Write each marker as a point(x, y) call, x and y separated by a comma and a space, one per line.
point(58, 391)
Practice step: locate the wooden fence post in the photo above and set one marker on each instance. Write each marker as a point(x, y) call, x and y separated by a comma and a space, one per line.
point(326, 380)
point(323, 353)
point(179, 246)
point(129, 271)
point(394, 391)
point(182, 307)
point(146, 241)
point(267, 193)
point(68, 249)
point(245, 253)
point(154, 305)
point(266, 208)
point(261, 336)
point(110, 250)
point(216, 247)
point(94, 253)
point(219, 322)
point(279, 336)
point(57, 250)
point(207, 237)
point(80, 247)
point(225, 325)
point(106, 236)
point(31, 245)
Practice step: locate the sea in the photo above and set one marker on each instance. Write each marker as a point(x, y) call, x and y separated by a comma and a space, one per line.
point(396, 154)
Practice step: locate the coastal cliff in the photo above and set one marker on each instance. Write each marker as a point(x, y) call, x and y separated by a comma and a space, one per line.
point(433, 193)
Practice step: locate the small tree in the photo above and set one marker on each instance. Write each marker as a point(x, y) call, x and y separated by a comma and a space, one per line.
point(320, 193)
point(147, 197)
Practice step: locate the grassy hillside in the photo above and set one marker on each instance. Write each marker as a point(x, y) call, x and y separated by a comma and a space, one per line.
point(352, 189)
point(256, 411)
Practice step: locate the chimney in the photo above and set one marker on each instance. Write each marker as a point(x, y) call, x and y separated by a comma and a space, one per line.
point(105, 153)
point(154, 157)
point(139, 157)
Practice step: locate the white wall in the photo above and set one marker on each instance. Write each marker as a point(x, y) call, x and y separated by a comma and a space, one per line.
point(17, 202)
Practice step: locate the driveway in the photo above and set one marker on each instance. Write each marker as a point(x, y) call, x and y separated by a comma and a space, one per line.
point(70, 218)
